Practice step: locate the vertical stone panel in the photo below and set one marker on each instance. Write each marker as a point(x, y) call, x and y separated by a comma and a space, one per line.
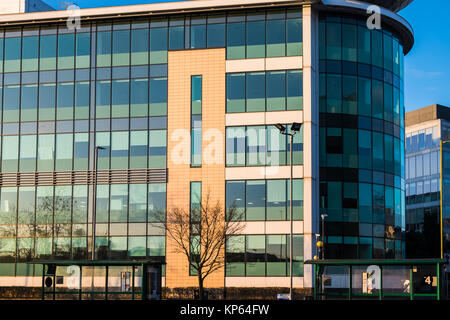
point(210, 64)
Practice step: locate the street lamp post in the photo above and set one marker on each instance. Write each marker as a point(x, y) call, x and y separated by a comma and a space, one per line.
point(94, 210)
point(294, 129)
point(323, 216)
point(94, 201)
point(442, 142)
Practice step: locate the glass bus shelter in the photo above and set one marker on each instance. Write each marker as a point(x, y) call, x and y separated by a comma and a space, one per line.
point(101, 280)
point(420, 279)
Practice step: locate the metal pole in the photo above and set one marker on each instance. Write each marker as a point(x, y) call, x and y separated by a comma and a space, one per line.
point(291, 221)
point(94, 210)
point(442, 193)
point(94, 204)
point(323, 237)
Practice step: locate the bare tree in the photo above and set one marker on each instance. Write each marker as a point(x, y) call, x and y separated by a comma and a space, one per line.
point(201, 235)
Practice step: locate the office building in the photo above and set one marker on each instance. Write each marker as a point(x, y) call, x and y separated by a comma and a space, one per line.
point(183, 97)
point(424, 129)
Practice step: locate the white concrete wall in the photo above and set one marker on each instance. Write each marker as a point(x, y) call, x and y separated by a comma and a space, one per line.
point(310, 138)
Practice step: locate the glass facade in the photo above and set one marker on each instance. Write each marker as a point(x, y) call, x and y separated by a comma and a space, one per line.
point(265, 91)
point(264, 200)
point(263, 256)
point(52, 222)
point(361, 139)
point(423, 169)
point(63, 92)
point(261, 146)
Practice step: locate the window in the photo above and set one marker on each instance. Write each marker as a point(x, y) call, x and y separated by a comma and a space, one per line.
point(120, 98)
point(158, 45)
point(139, 46)
point(349, 42)
point(63, 204)
point(12, 54)
point(28, 109)
point(236, 40)
point(364, 45)
point(256, 91)
point(80, 202)
point(333, 41)
point(235, 146)
point(27, 153)
point(276, 38)
point(256, 146)
point(47, 52)
point(8, 205)
point(235, 198)
point(255, 200)
point(235, 92)
point(119, 150)
point(121, 48)
point(11, 103)
point(235, 256)
point(255, 255)
point(138, 203)
point(256, 39)
point(294, 37)
point(47, 93)
point(46, 152)
point(83, 50)
point(10, 153)
point(349, 95)
point(136, 247)
point(156, 246)
point(81, 151)
point(176, 37)
point(334, 93)
point(64, 152)
point(158, 96)
point(82, 100)
point(364, 97)
point(103, 96)
point(196, 121)
point(44, 207)
point(102, 203)
point(26, 205)
point(216, 35)
point(66, 51)
point(65, 101)
point(198, 36)
point(294, 90)
point(156, 202)
point(276, 90)
point(104, 49)
point(139, 98)
point(30, 52)
point(119, 203)
point(157, 149)
point(263, 255)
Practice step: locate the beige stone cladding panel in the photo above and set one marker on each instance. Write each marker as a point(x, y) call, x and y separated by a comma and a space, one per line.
point(210, 64)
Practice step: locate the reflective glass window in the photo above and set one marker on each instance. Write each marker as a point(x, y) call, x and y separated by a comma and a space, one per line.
point(47, 52)
point(119, 203)
point(66, 51)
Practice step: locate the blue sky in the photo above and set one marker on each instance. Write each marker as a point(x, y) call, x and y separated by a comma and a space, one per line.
point(427, 66)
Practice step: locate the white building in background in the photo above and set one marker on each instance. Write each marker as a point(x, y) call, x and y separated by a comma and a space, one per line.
point(22, 6)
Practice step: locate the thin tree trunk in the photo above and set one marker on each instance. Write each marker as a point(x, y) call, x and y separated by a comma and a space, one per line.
point(200, 286)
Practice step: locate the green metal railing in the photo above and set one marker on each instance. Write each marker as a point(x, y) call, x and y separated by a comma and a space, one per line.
point(104, 291)
point(319, 290)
